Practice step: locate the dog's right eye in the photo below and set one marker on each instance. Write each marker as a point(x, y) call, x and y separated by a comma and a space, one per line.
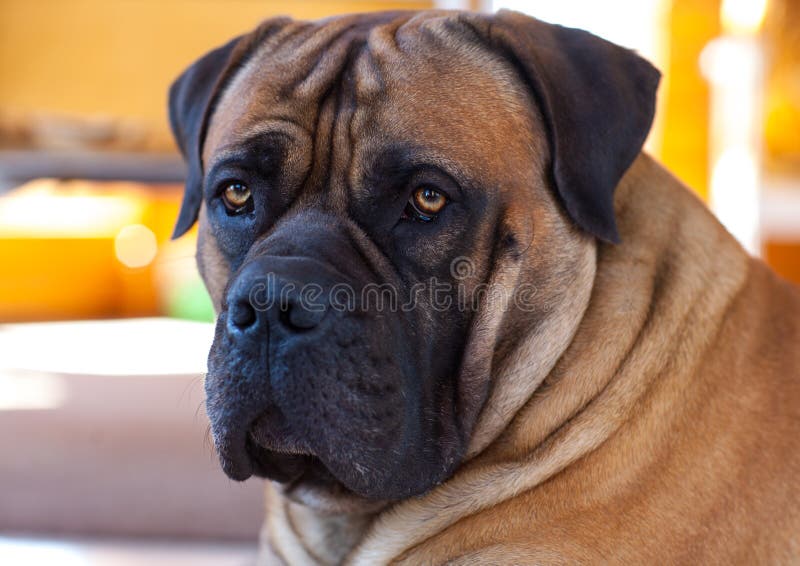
point(237, 198)
point(425, 203)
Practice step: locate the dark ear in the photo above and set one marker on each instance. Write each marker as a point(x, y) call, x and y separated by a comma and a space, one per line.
point(598, 102)
point(190, 99)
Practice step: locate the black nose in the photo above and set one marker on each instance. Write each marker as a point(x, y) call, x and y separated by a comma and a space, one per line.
point(260, 298)
point(298, 316)
point(241, 314)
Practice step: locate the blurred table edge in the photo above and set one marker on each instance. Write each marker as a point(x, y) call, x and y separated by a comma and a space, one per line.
point(19, 166)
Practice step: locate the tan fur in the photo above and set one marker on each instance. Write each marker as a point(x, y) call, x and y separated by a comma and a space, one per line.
point(647, 412)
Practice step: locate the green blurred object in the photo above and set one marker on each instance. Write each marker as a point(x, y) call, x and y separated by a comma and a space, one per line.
point(190, 301)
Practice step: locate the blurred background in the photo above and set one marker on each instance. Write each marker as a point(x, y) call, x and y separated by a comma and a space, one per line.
point(104, 323)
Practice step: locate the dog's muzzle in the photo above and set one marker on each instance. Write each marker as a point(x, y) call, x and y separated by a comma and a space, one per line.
point(274, 302)
point(305, 380)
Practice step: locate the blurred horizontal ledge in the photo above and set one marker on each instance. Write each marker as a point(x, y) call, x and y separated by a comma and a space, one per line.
point(19, 166)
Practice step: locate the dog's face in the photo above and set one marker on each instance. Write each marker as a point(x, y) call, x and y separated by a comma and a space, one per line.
point(373, 193)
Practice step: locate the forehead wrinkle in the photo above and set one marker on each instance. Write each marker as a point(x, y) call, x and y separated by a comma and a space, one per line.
point(324, 71)
point(381, 41)
point(349, 104)
point(281, 56)
point(242, 128)
point(335, 136)
point(369, 86)
point(269, 50)
point(274, 125)
point(369, 81)
point(293, 69)
point(240, 149)
point(324, 48)
point(328, 55)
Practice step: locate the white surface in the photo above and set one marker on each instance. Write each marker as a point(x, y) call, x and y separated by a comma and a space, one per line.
point(142, 347)
point(46, 552)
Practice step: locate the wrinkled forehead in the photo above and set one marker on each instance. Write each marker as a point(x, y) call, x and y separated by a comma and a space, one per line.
point(419, 81)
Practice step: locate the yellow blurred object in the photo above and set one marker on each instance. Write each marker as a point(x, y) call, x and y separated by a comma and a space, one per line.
point(79, 249)
point(782, 104)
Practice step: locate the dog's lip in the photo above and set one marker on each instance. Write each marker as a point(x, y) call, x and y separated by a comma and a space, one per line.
point(275, 454)
point(289, 464)
point(272, 432)
point(291, 469)
point(262, 436)
point(272, 450)
point(233, 457)
point(263, 448)
point(278, 466)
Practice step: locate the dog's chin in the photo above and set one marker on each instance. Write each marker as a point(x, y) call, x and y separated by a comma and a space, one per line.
point(328, 495)
point(302, 477)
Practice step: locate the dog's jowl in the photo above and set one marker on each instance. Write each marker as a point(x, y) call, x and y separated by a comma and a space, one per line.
point(463, 318)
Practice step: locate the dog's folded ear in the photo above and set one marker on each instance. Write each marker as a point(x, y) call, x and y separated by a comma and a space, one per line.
point(190, 98)
point(598, 101)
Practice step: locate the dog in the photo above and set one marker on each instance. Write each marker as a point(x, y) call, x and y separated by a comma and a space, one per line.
point(527, 343)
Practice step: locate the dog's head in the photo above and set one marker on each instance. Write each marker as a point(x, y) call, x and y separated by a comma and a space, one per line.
point(387, 204)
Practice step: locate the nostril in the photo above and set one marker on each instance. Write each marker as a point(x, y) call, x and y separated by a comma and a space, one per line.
point(242, 315)
point(299, 317)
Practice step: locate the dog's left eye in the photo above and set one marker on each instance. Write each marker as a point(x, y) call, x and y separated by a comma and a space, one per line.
point(425, 203)
point(237, 198)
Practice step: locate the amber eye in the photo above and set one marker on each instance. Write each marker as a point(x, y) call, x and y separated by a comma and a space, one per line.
point(236, 197)
point(427, 202)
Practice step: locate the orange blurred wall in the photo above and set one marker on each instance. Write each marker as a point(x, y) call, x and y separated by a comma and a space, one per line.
point(685, 143)
point(118, 57)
